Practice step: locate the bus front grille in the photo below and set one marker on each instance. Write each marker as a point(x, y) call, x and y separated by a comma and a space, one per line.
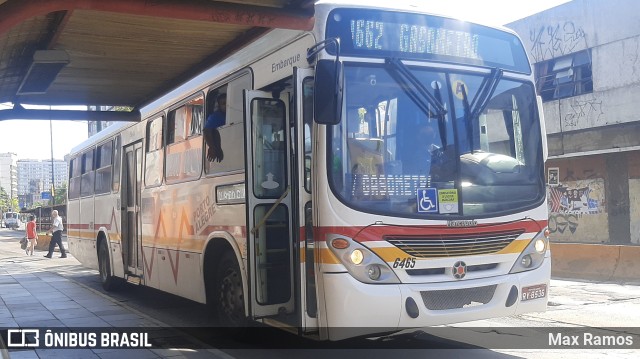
point(453, 245)
point(457, 298)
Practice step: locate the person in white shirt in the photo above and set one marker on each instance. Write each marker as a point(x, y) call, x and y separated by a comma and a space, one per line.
point(56, 230)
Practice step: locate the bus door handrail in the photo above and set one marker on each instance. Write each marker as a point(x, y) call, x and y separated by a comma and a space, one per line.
point(270, 211)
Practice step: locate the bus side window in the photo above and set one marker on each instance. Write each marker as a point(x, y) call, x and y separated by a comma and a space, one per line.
point(74, 178)
point(184, 142)
point(88, 174)
point(232, 132)
point(104, 160)
point(115, 186)
point(154, 155)
point(216, 119)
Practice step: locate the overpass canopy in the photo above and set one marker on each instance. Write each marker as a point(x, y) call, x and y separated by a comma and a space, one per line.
point(124, 52)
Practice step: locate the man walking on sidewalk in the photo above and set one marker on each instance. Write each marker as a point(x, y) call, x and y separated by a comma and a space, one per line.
point(56, 229)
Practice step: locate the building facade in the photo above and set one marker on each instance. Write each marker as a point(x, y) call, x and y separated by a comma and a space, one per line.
point(9, 174)
point(97, 126)
point(34, 178)
point(94, 127)
point(586, 56)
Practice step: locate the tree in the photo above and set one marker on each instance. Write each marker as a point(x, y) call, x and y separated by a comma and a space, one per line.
point(61, 194)
point(15, 205)
point(7, 204)
point(4, 200)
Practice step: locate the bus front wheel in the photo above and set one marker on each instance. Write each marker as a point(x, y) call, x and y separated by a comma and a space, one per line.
point(108, 281)
point(230, 303)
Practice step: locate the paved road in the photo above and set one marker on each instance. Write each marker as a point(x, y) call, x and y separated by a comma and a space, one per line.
point(61, 293)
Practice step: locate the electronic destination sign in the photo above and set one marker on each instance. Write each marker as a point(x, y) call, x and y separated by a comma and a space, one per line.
point(379, 33)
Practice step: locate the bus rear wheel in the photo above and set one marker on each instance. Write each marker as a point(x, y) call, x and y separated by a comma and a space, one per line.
point(230, 294)
point(108, 281)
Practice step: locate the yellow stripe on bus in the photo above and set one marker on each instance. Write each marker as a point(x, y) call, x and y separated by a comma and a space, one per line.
point(515, 247)
point(390, 254)
point(326, 256)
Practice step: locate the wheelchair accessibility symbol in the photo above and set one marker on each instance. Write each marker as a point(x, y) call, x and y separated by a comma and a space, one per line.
point(427, 200)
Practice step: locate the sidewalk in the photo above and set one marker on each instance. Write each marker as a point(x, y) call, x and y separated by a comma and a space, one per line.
point(34, 292)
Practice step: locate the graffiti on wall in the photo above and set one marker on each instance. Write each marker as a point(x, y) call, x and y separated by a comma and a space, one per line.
point(560, 222)
point(585, 112)
point(571, 201)
point(556, 40)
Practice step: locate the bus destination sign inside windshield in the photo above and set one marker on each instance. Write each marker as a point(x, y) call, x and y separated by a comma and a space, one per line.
point(412, 36)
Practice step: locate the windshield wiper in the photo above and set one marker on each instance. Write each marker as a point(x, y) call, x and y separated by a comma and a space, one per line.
point(426, 100)
point(480, 101)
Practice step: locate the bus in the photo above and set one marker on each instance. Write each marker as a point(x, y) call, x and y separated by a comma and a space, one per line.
point(383, 171)
point(11, 220)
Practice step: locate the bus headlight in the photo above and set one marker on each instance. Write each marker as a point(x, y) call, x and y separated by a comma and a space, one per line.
point(540, 245)
point(374, 272)
point(363, 264)
point(356, 257)
point(533, 255)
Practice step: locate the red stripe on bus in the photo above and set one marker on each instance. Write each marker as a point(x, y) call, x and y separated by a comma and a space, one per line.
point(378, 232)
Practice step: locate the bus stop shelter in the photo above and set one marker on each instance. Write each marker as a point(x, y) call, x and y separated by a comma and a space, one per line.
point(122, 53)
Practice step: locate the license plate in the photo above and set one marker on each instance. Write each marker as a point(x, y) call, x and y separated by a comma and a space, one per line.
point(534, 292)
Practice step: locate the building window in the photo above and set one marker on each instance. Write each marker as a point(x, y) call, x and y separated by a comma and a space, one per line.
point(564, 76)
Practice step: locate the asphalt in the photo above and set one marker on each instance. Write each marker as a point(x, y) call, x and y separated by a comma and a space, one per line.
point(37, 292)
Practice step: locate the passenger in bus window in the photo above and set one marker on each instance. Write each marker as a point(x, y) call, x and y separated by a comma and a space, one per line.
point(211, 134)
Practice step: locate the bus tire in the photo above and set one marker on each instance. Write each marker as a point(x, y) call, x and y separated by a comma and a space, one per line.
point(109, 282)
point(230, 293)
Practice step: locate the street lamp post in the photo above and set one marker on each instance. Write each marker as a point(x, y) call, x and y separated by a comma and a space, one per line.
point(53, 188)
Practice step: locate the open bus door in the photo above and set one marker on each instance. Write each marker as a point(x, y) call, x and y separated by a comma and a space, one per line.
point(303, 93)
point(130, 202)
point(269, 205)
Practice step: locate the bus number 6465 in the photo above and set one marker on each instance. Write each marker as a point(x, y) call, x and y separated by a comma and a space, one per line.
point(404, 263)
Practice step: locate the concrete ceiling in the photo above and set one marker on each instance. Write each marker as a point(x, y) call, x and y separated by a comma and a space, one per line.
point(126, 52)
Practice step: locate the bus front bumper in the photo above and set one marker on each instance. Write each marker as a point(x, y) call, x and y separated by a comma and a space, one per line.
point(354, 308)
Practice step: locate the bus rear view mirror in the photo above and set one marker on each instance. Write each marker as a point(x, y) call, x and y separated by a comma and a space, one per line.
point(328, 92)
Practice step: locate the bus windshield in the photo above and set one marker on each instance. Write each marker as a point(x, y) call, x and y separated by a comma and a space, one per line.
point(474, 150)
point(10, 215)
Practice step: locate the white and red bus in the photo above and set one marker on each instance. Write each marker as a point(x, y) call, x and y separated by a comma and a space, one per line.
point(383, 171)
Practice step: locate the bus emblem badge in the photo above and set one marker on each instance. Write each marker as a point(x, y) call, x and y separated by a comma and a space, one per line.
point(459, 270)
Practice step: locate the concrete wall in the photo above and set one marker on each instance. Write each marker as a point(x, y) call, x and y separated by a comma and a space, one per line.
point(594, 138)
point(577, 25)
point(634, 198)
point(596, 199)
point(611, 29)
point(578, 203)
point(595, 262)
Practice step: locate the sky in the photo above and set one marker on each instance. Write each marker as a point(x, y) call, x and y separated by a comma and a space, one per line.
point(31, 139)
point(490, 12)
